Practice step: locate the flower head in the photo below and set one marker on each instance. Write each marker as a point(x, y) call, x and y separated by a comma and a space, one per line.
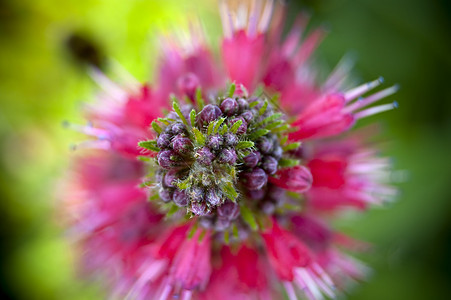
point(215, 179)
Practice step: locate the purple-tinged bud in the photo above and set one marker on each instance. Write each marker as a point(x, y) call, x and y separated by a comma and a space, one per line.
point(212, 197)
point(169, 178)
point(178, 128)
point(276, 193)
point(228, 156)
point(257, 194)
point(222, 224)
point(172, 115)
point(265, 145)
point(270, 165)
point(298, 152)
point(165, 194)
point(229, 106)
point(209, 113)
point(277, 153)
point(199, 208)
point(166, 159)
point(296, 179)
point(248, 116)
point(268, 208)
point(242, 104)
point(196, 193)
point(188, 85)
point(159, 175)
point(252, 159)
point(164, 140)
point(204, 156)
point(243, 127)
point(229, 210)
point(186, 109)
point(230, 139)
point(255, 179)
point(206, 222)
point(180, 198)
point(182, 145)
point(215, 142)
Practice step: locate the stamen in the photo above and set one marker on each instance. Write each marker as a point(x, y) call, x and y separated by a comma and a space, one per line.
point(253, 18)
point(324, 276)
point(373, 98)
point(290, 290)
point(304, 274)
point(107, 85)
point(266, 16)
point(187, 295)
point(92, 144)
point(339, 74)
point(375, 110)
point(362, 89)
point(101, 134)
point(226, 18)
point(241, 17)
point(308, 45)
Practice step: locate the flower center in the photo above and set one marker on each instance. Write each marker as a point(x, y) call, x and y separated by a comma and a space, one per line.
point(214, 161)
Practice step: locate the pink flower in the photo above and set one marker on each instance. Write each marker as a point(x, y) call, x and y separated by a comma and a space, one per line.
point(346, 174)
point(200, 186)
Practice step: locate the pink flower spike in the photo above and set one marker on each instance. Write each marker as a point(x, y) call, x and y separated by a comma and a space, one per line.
point(296, 179)
point(191, 267)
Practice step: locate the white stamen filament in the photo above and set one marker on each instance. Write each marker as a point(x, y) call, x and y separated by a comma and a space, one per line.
point(266, 16)
point(107, 85)
point(304, 274)
point(362, 89)
point(375, 110)
point(290, 290)
point(227, 24)
point(373, 98)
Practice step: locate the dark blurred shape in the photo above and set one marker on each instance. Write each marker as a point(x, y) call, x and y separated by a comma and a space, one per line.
point(85, 50)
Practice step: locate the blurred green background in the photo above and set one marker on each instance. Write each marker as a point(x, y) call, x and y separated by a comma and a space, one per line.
point(41, 84)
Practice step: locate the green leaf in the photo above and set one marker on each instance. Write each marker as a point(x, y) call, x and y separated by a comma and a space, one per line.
point(211, 126)
point(253, 104)
point(174, 208)
point(144, 158)
point(193, 230)
point(236, 125)
point(282, 128)
point(176, 107)
point(269, 119)
point(226, 237)
point(192, 117)
point(274, 125)
point(223, 129)
point(235, 230)
point(229, 191)
point(258, 133)
point(244, 145)
point(248, 217)
point(156, 127)
point(275, 99)
point(183, 184)
point(199, 101)
point(283, 140)
point(164, 121)
point(218, 124)
point(231, 90)
point(262, 109)
point(200, 139)
point(291, 146)
point(287, 162)
point(149, 145)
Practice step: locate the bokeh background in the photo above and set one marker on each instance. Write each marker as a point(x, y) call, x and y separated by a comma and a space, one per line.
point(42, 83)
